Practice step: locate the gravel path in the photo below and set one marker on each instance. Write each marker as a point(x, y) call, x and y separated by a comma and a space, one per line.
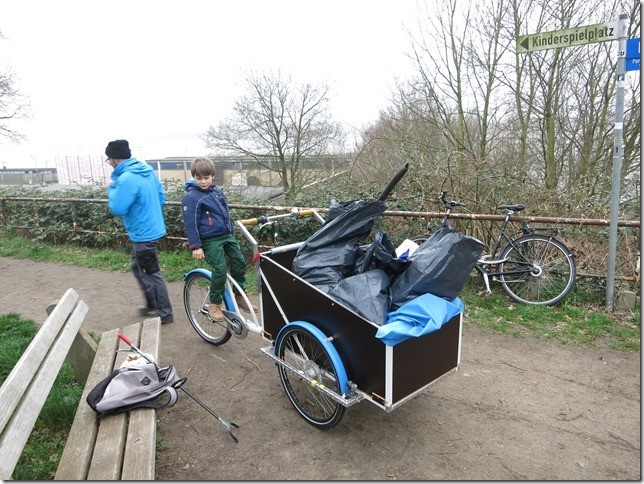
point(516, 409)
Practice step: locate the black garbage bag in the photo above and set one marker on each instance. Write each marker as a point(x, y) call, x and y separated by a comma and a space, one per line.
point(367, 294)
point(338, 208)
point(329, 265)
point(330, 254)
point(440, 266)
point(380, 254)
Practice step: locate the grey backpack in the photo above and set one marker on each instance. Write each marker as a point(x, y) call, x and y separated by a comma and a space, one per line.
point(145, 385)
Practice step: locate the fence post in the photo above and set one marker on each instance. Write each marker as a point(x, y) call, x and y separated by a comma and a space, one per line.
point(36, 216)
point(74, 223)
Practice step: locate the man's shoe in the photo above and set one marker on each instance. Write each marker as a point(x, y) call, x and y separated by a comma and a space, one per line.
point(241, 302)
point(215, 313)
point(145, 310)
point(167, 319)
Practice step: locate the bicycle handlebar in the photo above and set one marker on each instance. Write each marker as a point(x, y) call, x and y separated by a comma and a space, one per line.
point(262, 219)
point(447, 204)
point(254, 221)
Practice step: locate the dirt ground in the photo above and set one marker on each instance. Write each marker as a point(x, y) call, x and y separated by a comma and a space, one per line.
point(517, 408)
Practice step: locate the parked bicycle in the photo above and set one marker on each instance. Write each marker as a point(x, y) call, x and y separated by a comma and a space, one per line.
point(533, 267)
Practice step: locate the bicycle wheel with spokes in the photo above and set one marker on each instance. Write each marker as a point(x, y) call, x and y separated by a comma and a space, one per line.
point(304, 352)
point(195, 300)
point(539, 270)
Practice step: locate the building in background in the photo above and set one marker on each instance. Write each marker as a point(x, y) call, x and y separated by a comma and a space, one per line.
point(28, 176)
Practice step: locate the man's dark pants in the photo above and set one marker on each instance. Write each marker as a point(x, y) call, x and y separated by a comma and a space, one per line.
point(145, 267)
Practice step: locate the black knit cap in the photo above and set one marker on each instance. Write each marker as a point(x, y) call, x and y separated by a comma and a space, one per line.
point(118, 149)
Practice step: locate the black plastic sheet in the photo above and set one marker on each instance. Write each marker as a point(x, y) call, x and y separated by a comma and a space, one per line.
point(440, 266)
point(380, 254)
point(367, 294)
point(330, 254)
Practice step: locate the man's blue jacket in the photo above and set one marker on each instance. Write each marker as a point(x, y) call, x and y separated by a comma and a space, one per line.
point(136, 194)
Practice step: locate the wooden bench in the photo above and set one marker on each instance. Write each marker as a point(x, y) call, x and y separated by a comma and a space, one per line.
point(109, 448)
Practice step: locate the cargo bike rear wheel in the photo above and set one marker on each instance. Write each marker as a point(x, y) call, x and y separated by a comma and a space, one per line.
point(311, 367)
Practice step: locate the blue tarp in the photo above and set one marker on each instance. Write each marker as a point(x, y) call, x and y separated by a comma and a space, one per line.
point(418, 317)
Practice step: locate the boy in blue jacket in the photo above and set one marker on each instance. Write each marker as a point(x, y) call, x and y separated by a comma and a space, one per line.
point(210, 234)
point(136, 194)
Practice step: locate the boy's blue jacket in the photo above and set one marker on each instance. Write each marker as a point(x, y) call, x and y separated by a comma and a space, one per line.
point(205, 214)
point(136, 194)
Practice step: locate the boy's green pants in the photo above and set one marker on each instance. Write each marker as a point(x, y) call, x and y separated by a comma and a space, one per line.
point(217, 250)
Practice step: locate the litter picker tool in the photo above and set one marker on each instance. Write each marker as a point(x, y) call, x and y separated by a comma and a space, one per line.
point(227, 425)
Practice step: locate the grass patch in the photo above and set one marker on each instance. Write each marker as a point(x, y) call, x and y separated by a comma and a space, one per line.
point(568, 322)
point(44, 447)
point(23, 248)
point(174, 264)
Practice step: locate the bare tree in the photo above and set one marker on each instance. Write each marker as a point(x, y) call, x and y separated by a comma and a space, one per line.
point(495, 124)
point(281, 126)
point(13, 105)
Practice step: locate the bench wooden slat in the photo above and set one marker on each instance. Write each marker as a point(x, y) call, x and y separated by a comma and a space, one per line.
point(77, 454)
point(110, 440)
point(81, 355)
point(17, 431)
point(22, 374)
point(139, 458)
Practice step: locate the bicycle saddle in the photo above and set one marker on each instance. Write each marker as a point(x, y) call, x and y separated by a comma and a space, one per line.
point(515, 208)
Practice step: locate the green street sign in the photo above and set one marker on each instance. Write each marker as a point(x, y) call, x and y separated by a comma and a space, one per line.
point(556, 39)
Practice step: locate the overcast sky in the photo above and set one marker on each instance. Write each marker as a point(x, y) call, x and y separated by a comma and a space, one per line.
point(160, 72)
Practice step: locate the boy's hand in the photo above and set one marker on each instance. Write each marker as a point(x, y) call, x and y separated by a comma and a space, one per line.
point(197, 254)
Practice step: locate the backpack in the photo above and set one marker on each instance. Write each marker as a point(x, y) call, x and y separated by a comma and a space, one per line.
point(143, 385)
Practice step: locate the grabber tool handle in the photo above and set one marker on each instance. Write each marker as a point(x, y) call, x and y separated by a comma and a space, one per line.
point(228, 425)
point(125, 339)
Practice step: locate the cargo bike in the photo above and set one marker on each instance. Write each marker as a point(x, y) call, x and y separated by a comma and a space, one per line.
point(326, 353)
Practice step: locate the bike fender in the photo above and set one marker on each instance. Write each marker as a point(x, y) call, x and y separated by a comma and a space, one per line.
point(205, 272)
point(328, 346)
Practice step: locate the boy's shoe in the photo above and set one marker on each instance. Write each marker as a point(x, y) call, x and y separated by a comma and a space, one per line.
point(241, 302)
point(167, 319)
point(215, 313)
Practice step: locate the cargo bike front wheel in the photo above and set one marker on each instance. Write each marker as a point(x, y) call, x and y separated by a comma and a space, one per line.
point(311, 367)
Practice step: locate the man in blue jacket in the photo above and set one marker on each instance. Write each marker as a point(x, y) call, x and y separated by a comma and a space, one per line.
point(136, 194)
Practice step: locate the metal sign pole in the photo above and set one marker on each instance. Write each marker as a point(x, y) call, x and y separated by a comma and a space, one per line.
point(618, 153)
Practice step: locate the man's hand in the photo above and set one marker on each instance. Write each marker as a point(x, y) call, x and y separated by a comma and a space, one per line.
point(197, 254)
